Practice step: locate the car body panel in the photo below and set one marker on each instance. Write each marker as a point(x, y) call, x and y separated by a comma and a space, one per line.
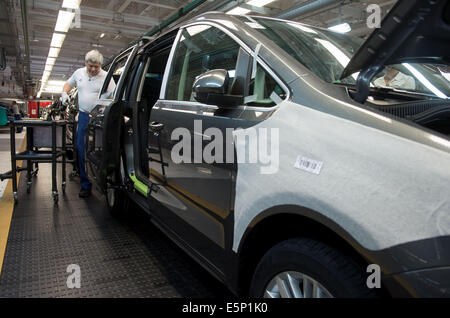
point(367, 184)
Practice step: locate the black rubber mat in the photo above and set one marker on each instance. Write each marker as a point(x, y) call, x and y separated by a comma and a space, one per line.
point(117, 258)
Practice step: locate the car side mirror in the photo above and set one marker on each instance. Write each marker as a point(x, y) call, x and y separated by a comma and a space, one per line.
point(211, 88)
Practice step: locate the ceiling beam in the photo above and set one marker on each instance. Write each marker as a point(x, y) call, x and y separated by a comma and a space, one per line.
point(95, 27)
point(112, 4)
point(98, 13)
point(153, 4)
point(73, 40)
point(260, 10)
point(124, 6)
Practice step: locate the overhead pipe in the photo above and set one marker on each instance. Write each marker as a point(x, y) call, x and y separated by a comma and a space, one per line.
point(23, 9)
point(308, 9)
point(213, 6)
point(180, 13)
point(27, 88)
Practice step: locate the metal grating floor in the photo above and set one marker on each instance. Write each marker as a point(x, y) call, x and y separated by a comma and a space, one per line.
point(117, 258)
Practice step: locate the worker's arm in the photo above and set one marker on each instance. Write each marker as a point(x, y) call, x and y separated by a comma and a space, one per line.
point(64, 95)
point(67, 88)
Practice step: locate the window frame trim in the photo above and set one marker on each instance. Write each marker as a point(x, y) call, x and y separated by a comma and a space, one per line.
point(131, 52)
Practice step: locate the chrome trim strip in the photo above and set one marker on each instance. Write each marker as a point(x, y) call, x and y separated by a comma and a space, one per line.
point(213, 107)
point(125, 72)
point(109, 69)
point(142, 80)
point(168, 66)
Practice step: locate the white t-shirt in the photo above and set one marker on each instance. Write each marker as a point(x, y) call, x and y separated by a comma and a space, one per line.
point(399, 81)
point(88, 88)
point(15, 108)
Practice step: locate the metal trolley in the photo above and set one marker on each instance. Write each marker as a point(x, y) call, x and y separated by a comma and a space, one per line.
point(45, 143)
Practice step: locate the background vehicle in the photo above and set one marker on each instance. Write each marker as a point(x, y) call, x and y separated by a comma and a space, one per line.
point(359, 181)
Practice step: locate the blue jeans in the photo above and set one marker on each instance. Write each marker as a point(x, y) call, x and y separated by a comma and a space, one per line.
point(83, 120)
point(18, 117)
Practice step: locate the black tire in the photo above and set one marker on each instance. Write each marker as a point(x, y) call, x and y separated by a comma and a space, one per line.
point(338, 274)
point(117, 200)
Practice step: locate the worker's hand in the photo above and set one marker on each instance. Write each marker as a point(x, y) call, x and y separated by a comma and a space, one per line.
point(64, 98)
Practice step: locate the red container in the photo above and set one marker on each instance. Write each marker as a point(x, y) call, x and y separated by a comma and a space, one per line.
point(33, 109)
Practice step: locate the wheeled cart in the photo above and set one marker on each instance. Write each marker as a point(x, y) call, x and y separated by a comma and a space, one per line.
point(45, 143)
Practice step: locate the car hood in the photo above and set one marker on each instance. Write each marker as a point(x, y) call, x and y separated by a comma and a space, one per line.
point(413, 31)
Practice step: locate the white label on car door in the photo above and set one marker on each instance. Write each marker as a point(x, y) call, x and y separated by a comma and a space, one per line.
point(307, 164)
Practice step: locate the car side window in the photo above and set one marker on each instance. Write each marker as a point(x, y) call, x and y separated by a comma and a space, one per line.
point(201, 48)
point(264, 90)
point(112, 79)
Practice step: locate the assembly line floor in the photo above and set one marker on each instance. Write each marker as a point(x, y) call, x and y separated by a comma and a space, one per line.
point(126, 257)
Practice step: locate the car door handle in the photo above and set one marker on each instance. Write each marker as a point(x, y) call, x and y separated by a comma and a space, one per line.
point(155, 127)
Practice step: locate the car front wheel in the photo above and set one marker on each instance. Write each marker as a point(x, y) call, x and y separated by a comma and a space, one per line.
point(305, 268)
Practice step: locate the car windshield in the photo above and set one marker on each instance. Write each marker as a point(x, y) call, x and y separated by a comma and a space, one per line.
point(327, 53)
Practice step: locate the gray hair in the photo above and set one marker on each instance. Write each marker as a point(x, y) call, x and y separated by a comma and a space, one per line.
point(94, 56)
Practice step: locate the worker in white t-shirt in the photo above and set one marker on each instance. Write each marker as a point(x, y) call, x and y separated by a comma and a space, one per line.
point(89, 81)
point(15, 109)
point(395, 79)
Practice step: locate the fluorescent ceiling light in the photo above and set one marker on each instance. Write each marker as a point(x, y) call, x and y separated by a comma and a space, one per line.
point(57, 40)
point(341, 28)
point(424, 81)
point(46, 72)
point(71, 4)
point(50, 61)
point(48, 67)
point(238, 11)
point(102, 35)
point(259, 3)
point(54, 52)
point(56, 83)
point(64, 21)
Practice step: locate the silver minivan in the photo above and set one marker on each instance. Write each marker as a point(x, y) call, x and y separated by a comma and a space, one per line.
point(289, 160)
